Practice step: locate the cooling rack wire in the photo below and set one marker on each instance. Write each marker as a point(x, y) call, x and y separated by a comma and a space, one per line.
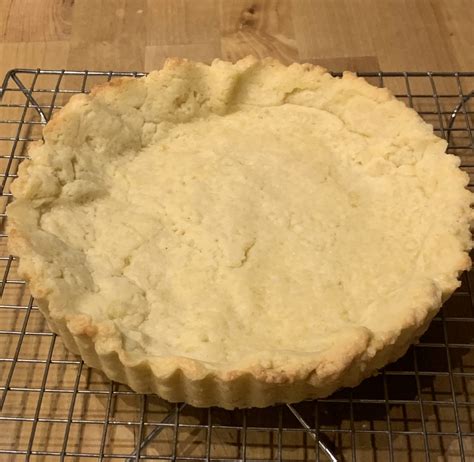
point(53, 408)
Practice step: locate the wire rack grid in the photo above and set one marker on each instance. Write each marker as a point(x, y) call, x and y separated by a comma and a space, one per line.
point(53, 408)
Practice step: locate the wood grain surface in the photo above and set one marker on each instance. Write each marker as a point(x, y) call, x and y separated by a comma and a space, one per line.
point(140, 34)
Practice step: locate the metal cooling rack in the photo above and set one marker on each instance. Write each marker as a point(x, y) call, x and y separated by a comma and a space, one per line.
point(54, 408)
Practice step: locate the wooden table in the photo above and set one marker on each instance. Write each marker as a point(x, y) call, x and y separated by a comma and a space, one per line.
point(139, 34)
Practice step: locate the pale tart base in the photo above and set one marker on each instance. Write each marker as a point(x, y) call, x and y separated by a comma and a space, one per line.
point(241, 234)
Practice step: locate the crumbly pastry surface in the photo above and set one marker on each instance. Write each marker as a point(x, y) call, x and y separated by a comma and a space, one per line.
point(240, 234)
